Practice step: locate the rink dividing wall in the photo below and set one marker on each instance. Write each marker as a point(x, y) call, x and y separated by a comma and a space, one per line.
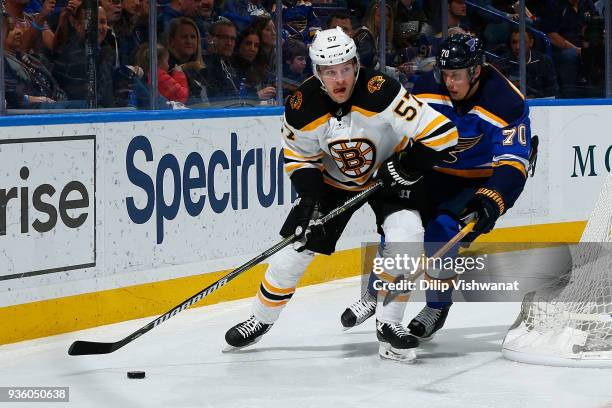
point(69, 306)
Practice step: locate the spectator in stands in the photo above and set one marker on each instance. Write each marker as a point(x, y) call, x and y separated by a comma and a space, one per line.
point(127, 37)
point(300, 22)
point(242, 12)
point(267, 32)
point(28, 83)
point(185, 50)
point(342, 20)
point(177, 9)
point(366, 36)
point(541, 77)
point(565, 22)
point(34, 28)
point(72, 60)
point(410, 16)
point(113, 10)
point(222, 78)
point(251, 67)
point(295, 56)
point(208, 15)
point(171, 83)
point(457, 12)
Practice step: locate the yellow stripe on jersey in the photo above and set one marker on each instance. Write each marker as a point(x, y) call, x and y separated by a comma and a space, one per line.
point(435, 98)
point(364, 112)
point(434, 124)
point(443, 141)
point(488, 116)
point(289, 168)
point(316, 123)
point(467, 173)
point(517, 165)
point(402, 145)
point(293, 155)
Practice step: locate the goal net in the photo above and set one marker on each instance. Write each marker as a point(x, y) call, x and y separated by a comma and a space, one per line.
point(569, 322)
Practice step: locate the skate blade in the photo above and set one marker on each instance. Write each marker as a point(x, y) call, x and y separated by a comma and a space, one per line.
point(386, 352)
point(230, 349)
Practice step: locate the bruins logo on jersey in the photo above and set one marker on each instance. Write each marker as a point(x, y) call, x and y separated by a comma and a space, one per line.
point(296, 100)
point(354, 158)
point(463, 144)
point(375, 83)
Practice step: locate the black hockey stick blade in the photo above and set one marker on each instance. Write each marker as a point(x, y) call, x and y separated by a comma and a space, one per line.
point(80, 347)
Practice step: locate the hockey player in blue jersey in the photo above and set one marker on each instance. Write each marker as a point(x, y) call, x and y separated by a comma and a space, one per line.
point(486, 174)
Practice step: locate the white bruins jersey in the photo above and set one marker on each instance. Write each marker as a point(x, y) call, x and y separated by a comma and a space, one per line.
point(349, 142)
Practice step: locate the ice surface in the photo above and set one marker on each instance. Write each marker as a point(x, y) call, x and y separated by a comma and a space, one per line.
point(306, 360)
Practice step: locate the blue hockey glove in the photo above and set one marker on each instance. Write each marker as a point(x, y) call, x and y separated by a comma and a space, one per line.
point(489, 206)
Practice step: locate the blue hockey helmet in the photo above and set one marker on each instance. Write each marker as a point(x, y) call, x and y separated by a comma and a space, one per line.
point(460, 51)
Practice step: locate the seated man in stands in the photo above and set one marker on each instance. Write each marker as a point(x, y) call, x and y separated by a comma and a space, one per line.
point(565, 23)
point(342, 20)
point(71, 63)
point(541, 76)
point(222, 78)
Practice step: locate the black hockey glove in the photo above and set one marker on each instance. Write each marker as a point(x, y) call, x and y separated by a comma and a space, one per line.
point(488, 205)
point(394, 175)
point(309, 227)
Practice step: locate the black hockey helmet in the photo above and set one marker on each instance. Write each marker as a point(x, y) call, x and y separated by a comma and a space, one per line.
point(460, 51)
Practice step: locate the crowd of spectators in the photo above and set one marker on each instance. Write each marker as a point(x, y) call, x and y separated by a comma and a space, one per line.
point(223, 52)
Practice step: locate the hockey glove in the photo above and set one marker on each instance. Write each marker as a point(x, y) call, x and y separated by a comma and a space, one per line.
point(394, 175)
point(309, 227)
point(488, 205)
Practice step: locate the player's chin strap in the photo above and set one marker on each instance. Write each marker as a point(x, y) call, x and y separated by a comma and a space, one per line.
point(467, 223)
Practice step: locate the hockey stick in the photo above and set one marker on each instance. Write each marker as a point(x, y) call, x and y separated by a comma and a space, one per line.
point(471, 221)
point(81, 347)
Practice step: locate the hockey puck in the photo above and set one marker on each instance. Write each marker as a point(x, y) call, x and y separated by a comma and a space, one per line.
point(136, 374)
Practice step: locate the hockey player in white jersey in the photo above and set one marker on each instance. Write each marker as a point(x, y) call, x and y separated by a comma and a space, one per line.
point(343, 128)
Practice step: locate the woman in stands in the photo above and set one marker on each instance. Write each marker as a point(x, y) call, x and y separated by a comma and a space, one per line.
point(29, 84)
point(184, 44)
point(366, 37)
point(251, 65)
point(264, 26)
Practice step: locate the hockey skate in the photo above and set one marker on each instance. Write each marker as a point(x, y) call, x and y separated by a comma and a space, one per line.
point(359, 312)
point(428, 322)
point(245, 334)
point(395, 342)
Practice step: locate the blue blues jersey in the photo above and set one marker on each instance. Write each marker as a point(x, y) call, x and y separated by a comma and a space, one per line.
point(494, 132)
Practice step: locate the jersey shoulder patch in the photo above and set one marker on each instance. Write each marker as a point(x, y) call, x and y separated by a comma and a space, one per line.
point(500, 99)
point(427, 84)
point(374, 91)
point(306, 105)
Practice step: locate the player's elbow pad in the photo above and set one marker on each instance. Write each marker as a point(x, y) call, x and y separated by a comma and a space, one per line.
point(419, 157)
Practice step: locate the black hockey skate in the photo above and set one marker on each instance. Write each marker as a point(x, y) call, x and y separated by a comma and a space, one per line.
point(395, 342)
point(359, 312)
point(428, 322)
point(244, 334)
